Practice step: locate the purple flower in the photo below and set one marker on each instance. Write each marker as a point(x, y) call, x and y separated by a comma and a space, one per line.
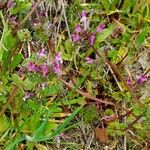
point(20, 72)
point(42, 53)
point(10, 4)
point(75, 37)
point(84, 19)
point(129, 82)
point(45, 70)
point(57, 69)
point(89, 60)
point(142, 78)
point(43, 13)
point(100, 28)
point(64, 136)
point(92, 38)
point(57, 63)
point(78, 28)
point(37, 68)
point(83, 14)
point(31, 67)
point(27, 96)
point(58, 58)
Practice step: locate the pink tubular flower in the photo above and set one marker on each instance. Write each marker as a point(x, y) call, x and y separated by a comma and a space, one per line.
point(92, 39)
point(58, 58)
point(27, 96)
point(20, 72)
point(57, 63)
point(45, 70)
point(10, 4)
point(75, 37)
point(100, 28)
point(89, 60)
point(31, 67)
point(57, 69)
point(78, 28)
point(84, 19)
point(42, 53)
point(142, 78)
point(129, 82)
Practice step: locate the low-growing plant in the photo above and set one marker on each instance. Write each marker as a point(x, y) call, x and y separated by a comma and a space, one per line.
point(61, 58)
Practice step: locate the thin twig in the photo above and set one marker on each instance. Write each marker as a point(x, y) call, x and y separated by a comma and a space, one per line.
point(132, 123)
point(124, 105)
point(63, 9)
point(30, 13)
point(88, 96)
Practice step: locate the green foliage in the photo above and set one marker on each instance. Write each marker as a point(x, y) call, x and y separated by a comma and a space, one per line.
point(21, 7)
point(4, 124)
point(42, 107)
point(141, 37)
point(16, 60)
point(116, 128)
point(49, 91)
point(24, 35)
point(103, 35)
point(90, 114)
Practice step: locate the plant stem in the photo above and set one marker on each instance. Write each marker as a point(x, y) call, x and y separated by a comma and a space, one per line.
point(92, 97)
point(9, 99)
point(64, 13)
point(132, 123)
point(30, 13)
point(118, 74)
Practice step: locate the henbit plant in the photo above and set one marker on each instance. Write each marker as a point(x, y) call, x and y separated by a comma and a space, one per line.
point(36, 75)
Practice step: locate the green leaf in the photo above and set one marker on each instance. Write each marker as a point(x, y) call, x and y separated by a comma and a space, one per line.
point(17, 80)
point(91, 114)
point(36, 119)
point(61, 128)
point(3, 98)
point(5, 30)
point(33, 105)
point(39, 133)
point(68, 46)
point(4, 124)
point(113, 55)
point(11, 145)
point(66, 56)
point(20, 8)
point(127, 5)
point(106, 4)
point(16, 60)
point(28, 84)
point(49, 91)
point(103, 35)
point(142, 36)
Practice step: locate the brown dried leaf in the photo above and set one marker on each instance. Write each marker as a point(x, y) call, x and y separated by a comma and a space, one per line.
point(101, 134)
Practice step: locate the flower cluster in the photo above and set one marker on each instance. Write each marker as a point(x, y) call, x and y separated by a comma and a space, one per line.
point(77, 34)
point(44, 68)
point(140, 80)
point(81, 33)
point(57, 64)
point(89, 60)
